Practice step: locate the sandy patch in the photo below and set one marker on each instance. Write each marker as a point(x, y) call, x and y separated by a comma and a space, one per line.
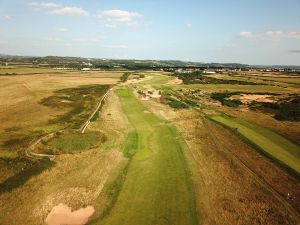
point(247, 98)
point(143, 97)
point(65, 101)
point(135, 80)
point(62, 214)
point(148, 93)
point(176, 81)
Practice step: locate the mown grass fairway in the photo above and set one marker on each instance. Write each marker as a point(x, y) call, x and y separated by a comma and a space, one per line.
point(157, 188)
point(273, 144)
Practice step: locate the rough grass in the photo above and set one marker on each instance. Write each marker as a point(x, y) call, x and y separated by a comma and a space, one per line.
point(25, 70)
point(268, 141)
point(26, 169)
point(232, 87)
point(157, 188)
point(79, 102)
point(74, 142)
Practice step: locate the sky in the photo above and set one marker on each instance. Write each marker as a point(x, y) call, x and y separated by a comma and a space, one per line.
point(261, 32)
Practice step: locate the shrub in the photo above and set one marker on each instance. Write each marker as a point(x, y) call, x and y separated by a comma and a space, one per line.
point(223, 98)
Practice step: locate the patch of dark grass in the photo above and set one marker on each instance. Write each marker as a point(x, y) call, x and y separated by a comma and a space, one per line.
point(131, 144)
point(125, 77)
point(287, 109)
point(200, 78)
point(177, 104)
point(74, 142)
point(96, 116)
point(30, 168)
point(79, 101)
point(223, 98)
point(17, 141)
point(173, 100)
point(12, 129)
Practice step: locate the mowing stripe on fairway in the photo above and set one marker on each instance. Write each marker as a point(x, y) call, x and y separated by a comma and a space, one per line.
point(273, 144)
point(157, 188)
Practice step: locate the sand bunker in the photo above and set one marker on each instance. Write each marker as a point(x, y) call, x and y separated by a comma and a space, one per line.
point(149, 93)
point(62, 214)
point(246, 98)
point(175, 81)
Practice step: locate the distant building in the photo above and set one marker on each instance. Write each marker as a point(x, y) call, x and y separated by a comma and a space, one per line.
point(209, 71)
point(86, 69)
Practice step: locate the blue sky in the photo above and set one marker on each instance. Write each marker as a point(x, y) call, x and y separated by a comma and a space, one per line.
point(254, 32)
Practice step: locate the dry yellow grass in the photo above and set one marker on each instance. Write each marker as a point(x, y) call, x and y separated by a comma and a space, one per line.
point(76, 180)
point(20, 96)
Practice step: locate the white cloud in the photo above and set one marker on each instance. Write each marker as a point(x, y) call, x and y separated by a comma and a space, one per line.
point(70, 11)
point(43, 5)
point(120, 16)
point(7, 17)
point(88, 40)
point(61, 29)
point(271, 35)
point(53, 39)
point(115, 46)
point(246, 34)
point(293, 34)
point(231, 45)
point(110, 25)
point(188, 25)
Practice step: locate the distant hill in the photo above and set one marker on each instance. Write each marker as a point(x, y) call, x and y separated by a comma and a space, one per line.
point(128, 63)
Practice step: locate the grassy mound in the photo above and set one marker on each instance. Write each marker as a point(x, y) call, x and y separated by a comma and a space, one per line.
point(75, 142)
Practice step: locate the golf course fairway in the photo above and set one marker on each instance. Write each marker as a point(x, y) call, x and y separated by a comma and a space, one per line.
point(157, 188)
point(266, 140)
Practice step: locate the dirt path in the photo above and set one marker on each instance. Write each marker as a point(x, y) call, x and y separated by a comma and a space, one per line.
point(85, 125)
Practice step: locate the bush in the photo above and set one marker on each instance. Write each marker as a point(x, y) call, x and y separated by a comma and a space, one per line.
point(232, 103)
point(125, 77)
point(288, 111)
point(177, 104)
point(223, 98)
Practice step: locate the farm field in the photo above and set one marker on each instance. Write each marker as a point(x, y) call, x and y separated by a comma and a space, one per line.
point(150, 155)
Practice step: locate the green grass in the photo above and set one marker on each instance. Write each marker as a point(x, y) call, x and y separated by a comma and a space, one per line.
point(266, 140)
point(158, 80)
point(74, 142)
point(157, 187)
point(131, 144)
